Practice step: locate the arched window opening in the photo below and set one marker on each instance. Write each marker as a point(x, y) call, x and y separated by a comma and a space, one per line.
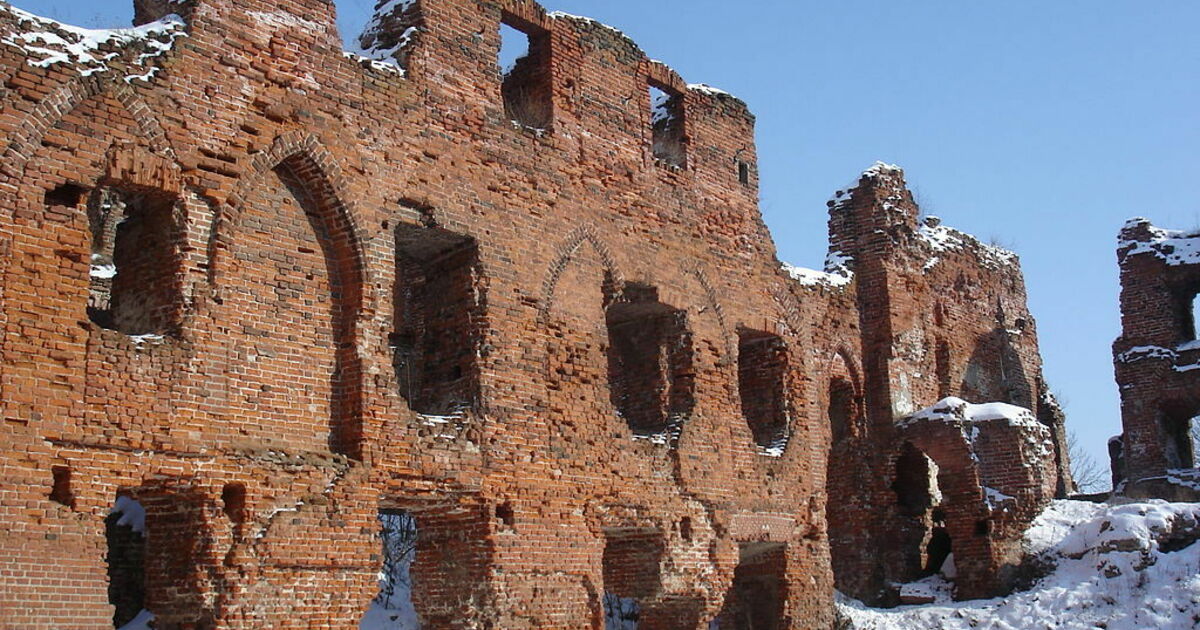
point(651, 377)
point(762, 387)
point(841, 410)
point(437, 319)
point(134, 284)
point(525, 66)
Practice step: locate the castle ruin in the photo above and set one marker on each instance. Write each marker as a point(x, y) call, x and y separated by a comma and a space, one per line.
point(269, 290)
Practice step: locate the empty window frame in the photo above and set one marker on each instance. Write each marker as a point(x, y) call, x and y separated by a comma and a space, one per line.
point(762, 386)
point(650, 364)
point(134, 273)
point(667, 125)
point(525, 67)
point(398, 550)
point(437, 318)
point(632, 573)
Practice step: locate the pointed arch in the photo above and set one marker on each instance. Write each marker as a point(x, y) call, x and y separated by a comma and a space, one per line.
point(563, 255)
point(27, 137)
point(299, 163)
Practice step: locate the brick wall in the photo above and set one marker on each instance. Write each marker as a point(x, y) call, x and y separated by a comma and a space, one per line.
point(371, 290)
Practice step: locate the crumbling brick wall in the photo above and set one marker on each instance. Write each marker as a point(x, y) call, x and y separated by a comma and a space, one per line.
point(1156, 359)
point(937, 314)
point(361, 285)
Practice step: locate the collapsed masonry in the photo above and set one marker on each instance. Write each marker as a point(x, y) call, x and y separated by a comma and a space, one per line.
point(908, 313)
point(267, 290)
point(1157, 360)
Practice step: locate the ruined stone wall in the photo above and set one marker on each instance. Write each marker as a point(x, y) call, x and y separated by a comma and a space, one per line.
point(1156, 359)
point(366, 288)
point(939, 315)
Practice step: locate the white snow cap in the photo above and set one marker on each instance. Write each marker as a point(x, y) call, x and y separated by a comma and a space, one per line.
point(47, 42)
point(837, 272)
point(953, 409)
point(1175, 247)
point(941, 239)
point(877, 169)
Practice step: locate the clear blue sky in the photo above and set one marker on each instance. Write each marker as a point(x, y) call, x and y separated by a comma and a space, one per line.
point(1039, 125)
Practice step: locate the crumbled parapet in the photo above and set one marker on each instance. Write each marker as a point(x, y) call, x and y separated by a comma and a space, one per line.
point(837, 274)
point(1174, 247)
point(841, 197)
point(49, 43)
point(387, 39)
point(941, 239)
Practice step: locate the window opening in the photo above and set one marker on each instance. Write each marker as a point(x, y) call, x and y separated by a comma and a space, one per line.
point(651, 378)
point(61, 491)
point(916, 484)
point(437, 317)
point(68, 195)
point(1195, 308)
point(755, 600)
point(841, 409)
point(125, 533)
point(133, 285)
point(525, 67)
point(762, 387)
point(233, 500)
point(667, 125)
point(393, 606)
point(744, 173)
point(631, 565)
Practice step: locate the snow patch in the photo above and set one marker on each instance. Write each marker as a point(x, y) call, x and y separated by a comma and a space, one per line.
point(1115, 566)
point(953, 409)
point(843, 194)
point(837, 272)
point(47, 42)
point(1175, 247)
point(943, 239)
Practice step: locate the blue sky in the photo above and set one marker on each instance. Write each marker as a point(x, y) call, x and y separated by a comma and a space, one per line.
point(1038, 125)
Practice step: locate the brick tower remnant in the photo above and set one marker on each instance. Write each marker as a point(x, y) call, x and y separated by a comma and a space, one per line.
point(910, 313)
point(1157, 359)
point(268, 295)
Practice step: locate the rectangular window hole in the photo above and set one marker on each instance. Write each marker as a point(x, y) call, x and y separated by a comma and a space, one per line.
point(743, 173)
point(524, 63)
point(68, 195)
point(667, 125)
point(61, 491)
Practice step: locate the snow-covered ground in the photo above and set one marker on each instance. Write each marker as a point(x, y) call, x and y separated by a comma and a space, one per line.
point(1120, 567)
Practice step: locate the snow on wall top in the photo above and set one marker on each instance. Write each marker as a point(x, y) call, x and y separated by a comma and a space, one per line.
point(1175, 247)
point(942, 239)
point(843, 194)
point(47, 42)
point(837, 272)
point(369, 48)
point(953, 409)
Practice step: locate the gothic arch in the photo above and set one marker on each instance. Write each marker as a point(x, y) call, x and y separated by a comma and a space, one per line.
point(563, 255)
point(24, 142)
point(302, 159)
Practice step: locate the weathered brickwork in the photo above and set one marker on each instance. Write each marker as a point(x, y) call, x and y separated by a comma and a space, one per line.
point(917, 312)
point(268, 290)
point(1157, 360)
